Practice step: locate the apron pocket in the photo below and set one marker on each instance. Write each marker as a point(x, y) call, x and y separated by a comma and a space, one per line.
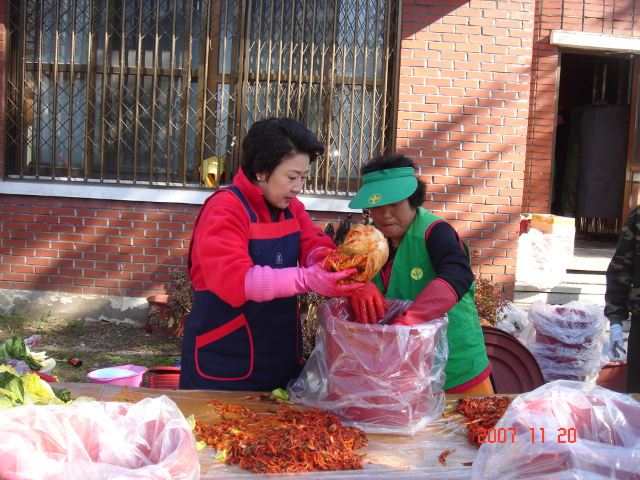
point(226, 353)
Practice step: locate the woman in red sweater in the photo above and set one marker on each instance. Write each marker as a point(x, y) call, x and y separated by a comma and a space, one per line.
point(253, 249)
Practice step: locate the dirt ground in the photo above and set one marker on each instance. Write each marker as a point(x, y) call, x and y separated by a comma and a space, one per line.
point(97, 344)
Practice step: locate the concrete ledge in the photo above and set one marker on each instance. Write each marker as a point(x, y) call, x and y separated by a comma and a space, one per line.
point(586, 279)
point(594, 41)
point(70, 307)
point(132, 193)
point(565, 288)
point(524, 301)
point(561, 294)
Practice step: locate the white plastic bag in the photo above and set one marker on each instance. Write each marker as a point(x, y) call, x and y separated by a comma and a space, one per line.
point(97, 440)
point(564, 430)
point(567, 340)
point(541, 260)
point(514, 319)
point(380, 378)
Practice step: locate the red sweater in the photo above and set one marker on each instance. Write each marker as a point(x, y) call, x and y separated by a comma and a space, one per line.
point(220, 251)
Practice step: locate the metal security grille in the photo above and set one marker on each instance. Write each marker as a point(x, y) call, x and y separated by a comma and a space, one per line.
point(147, 92)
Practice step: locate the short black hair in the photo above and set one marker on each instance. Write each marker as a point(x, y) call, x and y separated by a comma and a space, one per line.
point(271, 140)
point(385, 162)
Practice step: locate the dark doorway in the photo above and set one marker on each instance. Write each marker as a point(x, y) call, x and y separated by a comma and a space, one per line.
point(591, 141)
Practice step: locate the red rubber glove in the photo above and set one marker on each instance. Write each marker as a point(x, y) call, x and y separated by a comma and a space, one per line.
point(369, 305)
point(434, 301)
point(326, 283)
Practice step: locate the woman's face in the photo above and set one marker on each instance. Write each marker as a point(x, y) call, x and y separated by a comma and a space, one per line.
point(393, 220)
point(286, 181)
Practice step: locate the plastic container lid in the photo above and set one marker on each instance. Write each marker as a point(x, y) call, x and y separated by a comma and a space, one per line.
point(514, 369)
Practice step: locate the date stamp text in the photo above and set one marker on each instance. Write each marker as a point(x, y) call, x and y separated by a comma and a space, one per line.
point(537, 435)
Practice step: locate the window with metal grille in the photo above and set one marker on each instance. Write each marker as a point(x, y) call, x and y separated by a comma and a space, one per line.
point(149, 92)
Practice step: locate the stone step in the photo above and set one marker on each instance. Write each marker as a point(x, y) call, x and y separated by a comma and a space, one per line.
point(580, 287)
point(592, 260)
point(585, 280)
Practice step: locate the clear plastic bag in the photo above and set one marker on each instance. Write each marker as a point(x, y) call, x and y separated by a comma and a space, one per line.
point(590, 433)
point(514, 319)
point(98, 440)
point(20, 366)
point(381, 378)
point(541, 260)
point(567, 340)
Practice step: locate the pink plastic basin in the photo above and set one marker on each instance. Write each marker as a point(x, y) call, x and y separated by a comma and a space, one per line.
point(128, 375)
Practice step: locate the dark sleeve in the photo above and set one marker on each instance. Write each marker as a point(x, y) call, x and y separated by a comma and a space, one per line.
point(449, 258)
point(620, 273)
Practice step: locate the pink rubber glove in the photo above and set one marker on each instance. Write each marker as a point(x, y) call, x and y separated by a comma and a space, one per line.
point(262, 284)
point(434, 301)
point(326, 283)
point(318, 254)
point(369, 305)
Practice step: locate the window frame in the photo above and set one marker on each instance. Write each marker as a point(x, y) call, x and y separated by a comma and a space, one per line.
point(334, 188)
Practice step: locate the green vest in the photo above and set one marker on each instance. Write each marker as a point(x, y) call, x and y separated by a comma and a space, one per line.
point(410, 274)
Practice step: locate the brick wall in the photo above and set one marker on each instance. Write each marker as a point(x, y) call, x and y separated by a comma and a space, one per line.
point(464, 98)
point(89, 247)
point(611, 17)
point(462, 117)
point(476, 112)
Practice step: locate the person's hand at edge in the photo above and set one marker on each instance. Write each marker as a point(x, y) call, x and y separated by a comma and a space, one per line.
point(615, 340)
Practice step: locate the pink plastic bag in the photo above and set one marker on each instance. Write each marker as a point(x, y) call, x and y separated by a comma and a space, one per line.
point(97, 440)
point(381, 378)
point(564, 430)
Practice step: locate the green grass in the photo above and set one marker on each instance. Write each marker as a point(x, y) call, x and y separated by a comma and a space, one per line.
point(95, 344)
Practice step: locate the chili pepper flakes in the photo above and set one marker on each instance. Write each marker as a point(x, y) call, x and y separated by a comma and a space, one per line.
point(482, 413)
point(287, 441)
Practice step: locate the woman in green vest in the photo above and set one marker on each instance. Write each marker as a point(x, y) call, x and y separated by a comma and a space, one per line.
point(428, 264)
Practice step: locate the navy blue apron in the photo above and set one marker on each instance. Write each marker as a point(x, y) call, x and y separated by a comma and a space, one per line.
point(257, 346)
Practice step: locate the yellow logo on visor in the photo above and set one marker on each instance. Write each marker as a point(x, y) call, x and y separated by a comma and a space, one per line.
point(375, 198)
point(417, 273)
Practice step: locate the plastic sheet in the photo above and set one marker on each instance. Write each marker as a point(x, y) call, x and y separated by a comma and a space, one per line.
point(567, 340)
point(541, 260)
point(98, 440)
point(20, 366)
point(387, 456)
point(590, 433)
point(514, 319)
point(381, 378)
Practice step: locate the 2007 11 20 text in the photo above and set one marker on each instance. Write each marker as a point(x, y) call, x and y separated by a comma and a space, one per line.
point(537, 435)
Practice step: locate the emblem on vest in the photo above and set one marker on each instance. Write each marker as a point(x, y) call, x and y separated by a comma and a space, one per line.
point(417, 273)
point(278, 258)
